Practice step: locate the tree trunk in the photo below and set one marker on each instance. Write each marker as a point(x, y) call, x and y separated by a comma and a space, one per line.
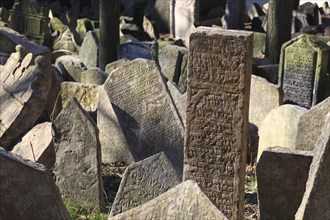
point(279, 28)
point(109, 31)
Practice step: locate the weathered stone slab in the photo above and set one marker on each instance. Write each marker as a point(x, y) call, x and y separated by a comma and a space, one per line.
point(66, 41)
point(86, 94)
point(37, 145)
point(28, 190)
point(93, 76)
point(143, 181)
point(70, 67)
point(185, 201)
point(282, 174)
point(9, 39)
point(279, 128)
point(170, 60)
point(115, 65)
point(316, 200)
point(78, 157)
point(133, 50)
point(303, 71)
point(89, 51)
point(179, 100)
point(29, 18)
point(310, 125)
point(264, 97)
point(220, 65)
point(23, 92)
point(145, 113)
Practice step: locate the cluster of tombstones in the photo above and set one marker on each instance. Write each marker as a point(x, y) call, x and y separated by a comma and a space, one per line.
point(183, 138)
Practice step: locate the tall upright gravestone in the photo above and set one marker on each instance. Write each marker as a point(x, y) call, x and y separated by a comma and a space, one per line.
point(303, 71)
point(220, 65)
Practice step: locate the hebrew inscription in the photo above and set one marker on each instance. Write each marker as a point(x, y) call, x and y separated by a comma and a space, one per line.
point(299, 74)
point(217, 115)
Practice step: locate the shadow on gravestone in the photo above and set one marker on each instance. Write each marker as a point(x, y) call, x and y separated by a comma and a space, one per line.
point(28, 190)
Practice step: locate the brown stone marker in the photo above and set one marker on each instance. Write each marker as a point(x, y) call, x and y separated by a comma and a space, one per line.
point(217, 115)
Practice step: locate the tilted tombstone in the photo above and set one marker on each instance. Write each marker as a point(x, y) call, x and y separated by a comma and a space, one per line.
point(28, 190)
point(282, 174)
point(315, 203)
point(303, 71)
point(179, 100)
point(144, 112)
point(133, 50)
point(78, 157)
point(38, 145)
point(23, 93)
point(310, 125)
point(279, 127)
point(144, 181)
point(89, 51)
point(185, 201)
point(30, 19)
point(220, 65)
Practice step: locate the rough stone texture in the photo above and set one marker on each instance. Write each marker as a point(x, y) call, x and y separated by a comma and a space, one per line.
point(89, 51)
point(143, 181)
point(83, 26)
point(316, 199)
point(115, 65)
point(282, 175)
point(114, 147)
point(9, 39)
point(78, 157)
point(133, 50)
point(93, 76)
point(185, 201)
point(86, 94)
point(66, 41)
point(70, 67)
point(259, 44)
point(23, 92)
point(279, 128)
point(185, 14)
point(303, 71)
point(264, 97)
point(28, 190)
point(310, 125)
point(58, 53)
point(145, 113)
point(170, 59)
point(220, 65)
point(179, 100)
point(37, 145)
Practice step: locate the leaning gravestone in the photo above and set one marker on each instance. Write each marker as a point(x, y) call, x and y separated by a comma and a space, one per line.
point(282, 174)
point(133, 50)
point(303, 71)
point(38, 145)
point(310, 125)
point(28, 190)
point(220, 65)
point(144, 112)
point(23, 92)
point(89, 51)
point(185, 201)
point(316, 200)
point(78, 157)
point(143, 181)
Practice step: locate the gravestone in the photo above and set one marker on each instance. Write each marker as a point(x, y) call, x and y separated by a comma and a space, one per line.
point(144, 112)
point(264, 97)
point(220, 65)
point(279, 128)
point(316, 200)
point(70, 67)
point(93, 76)
point(133, 50)
point(37, 145)
point(143, 181)
point(89, 51)
point(115, 65)
point(303, 71)
point(30, 19)
point(66, 41)
point(185, 201)
point(28, 190)
point(282, 174)
point(179, 100)
point(23, 92)
point(78, 157)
